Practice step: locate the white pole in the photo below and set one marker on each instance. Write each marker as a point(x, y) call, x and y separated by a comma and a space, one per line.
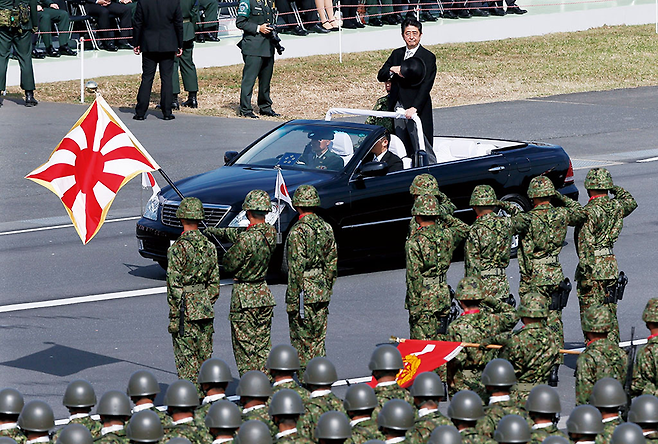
point(81, 51)
point(340, 34)
point(656, 16)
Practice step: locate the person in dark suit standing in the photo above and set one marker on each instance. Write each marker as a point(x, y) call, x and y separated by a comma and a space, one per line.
point(158, 36)
point(380, 153)
point(410, 93)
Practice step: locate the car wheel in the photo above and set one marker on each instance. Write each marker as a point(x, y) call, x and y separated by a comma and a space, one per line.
point(163, 264)
point(523, 204)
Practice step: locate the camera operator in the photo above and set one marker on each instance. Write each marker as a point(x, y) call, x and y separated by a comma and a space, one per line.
point(255, 18)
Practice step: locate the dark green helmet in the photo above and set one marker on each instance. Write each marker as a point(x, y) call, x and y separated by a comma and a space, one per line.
point(223, 414)
point(214, 371)
point(466, 406)
point(75, 434)
point(36, 416)
point(374, 441)
point(396, 415)
point(608, 393)
point(182, 394)
point(644, 410)
point(597, 319)
point(360, 397)
point(483, 195)
point(145, 426)
point(598, 179)
point(541, 186)
point(79, 394)
point(445, 434)
point(470, 289)
point(257, 200)
point(286, 402)
point(283, 357)
point(320, 371)
point(512, 429)
point(534, 306)
point(386, 357)
point(543, 399)
point(190, 208)
point(179, 440)
point(114, 403)
point(428, 385)
point(585, 420)
point(426, 205)
point(6, 440)
point(556, 439)
point(498, 373)
point(628, 433)
point(333, 425)
point(11, 402)
point(424, 184)
point(650, 313)
point(306, 196)
point(253, 432)
point(254, 384)
point(142, 384)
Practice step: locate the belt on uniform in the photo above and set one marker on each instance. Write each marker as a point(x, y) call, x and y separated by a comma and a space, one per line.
point(240, 281)
point(493, 272)
point(434, 280)
point(193, 288)
point(313, 272)
point(603, 252)
point(525, 386)
point(547, 260)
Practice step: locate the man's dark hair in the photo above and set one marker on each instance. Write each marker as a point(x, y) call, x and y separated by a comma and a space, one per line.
point(387, 136)
point(412, 22)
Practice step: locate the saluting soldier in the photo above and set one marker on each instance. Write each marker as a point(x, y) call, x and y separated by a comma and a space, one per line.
point(645, 372)
point(427, 184)
point(185, 62)
point(312, 267)
point(192, 290)
point(597, 267)
point(252, 303)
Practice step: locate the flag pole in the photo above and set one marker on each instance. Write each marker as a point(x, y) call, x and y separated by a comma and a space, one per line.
point(279, 238)
point(491, 346)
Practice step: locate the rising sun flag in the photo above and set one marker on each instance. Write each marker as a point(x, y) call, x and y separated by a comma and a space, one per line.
point(91, 164)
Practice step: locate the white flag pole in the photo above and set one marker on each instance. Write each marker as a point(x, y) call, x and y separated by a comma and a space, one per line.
point(340, 34)
point(279, 238)
point(81, 51)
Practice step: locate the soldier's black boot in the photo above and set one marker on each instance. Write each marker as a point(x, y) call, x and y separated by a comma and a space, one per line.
point(52, 52)
point(174, 103)
point(29, 99)
point(191, 101)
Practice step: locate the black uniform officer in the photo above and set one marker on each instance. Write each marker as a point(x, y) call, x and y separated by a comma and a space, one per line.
point(186, 62)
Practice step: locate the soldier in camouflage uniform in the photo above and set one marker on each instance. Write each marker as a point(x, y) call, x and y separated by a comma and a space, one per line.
point(396, 422)
point(142, 390)
point(382, 105)
point(214, 377)
point(312, 266)
point(385, 363)
point(608, 396)
point(252, 303)
point(487, 247)
point(584, 424)
point(223, 421)
point(465, 410)
point(359, 403)
point(474, 326)
point(74, 434)
point(597, 266)
point(254, 391)
point(36, 421)
point(644, 412)
point(512, 429)
point(333, 428)
point(192, 290)
point(447, 434)
point(628, 433)
point(79, 398)
point(253, 432)
point(285, 408)
point(11, 404)
point(543, 407)
point(181, 400)
point(318, 378)
point(427, 184)
point(645, 372)
point(114, 410)
point(427, 391)
point(601, 357)
point(145, 427)
point(282, 363)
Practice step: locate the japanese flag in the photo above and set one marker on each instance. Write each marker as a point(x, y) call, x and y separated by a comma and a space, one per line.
point(148, 181)
point(281, 191)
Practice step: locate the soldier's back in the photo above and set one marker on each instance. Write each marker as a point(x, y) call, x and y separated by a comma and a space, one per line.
point(15, 434)
point(608, 429)
point(366, 430)
point(425, 425)
point(601, 358)
point(261, 414)
point(294, 438)
point(495, 412)
point(116, 437)
point(539, 435)
point(471, 436)
point(532, 351)
point(645, 372)
point(195, 434)
point(314, 408)
point(390, 391)
point(292, 385)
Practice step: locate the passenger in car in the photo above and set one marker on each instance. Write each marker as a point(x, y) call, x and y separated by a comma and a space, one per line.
point(380, 153)
point(320, 156)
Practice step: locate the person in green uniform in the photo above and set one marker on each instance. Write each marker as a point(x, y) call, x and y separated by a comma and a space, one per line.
point(608, 396)
point(18, 21)
point(11, 404)
point(50, 12)
point(465, 410)
point(214, 377)
point(282, 363)
point(114, 410)
point(79, 398)
point(644, 412)
point(208, 10)
point(186, 62)
point(285, 408)
point(359, 403)
point(427, 391)
point(543, 407)
point(144, 428)
point(645, 372)
point(142, 389)
point(181, 400)
point(318, 378)
point(254, 391)
point(385, 363)
point(223, 421)
point(74, 434)
point(36, 421)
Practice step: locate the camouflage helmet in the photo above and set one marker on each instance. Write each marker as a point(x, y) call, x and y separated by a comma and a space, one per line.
point(466, 406)
point(182, 394)
point(470, 289)
point(644, 410)
point(483, 195)
point(498, 373)
point(597, 319)
point(628, 433)
point(396, 414)
point(283, 357)
point(214, 371)
point(445, 434)
point(223, 414)
point(512, 429)
point(254, 384)
point(320, 371)
point(333, 425)
point(608, 393)
point(650, 313)
point(6, 440)
point(541, 186)
point(426, 205)
point(286, 402)
point(190, 208)
point(543, 399)
point(556, 439)
point(585, 420)
point(306, 196)
point(114, 403)
point(386, 357)
point(142, 383)
point(253, 432)
point(36, 416)
point(598, 179)
point(360, 397)
point(75, 434)
point(79, 394)
point(145, 426)
point(257, 200)
point(424, 184)
point(11, 402)
point(428, 385)
point(534, 306)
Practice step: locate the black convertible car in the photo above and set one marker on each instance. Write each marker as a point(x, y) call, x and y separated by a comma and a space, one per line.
point(368, 207)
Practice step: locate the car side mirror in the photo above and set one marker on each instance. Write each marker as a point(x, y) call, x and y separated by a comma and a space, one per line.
point(229, 156)
point(373, 169)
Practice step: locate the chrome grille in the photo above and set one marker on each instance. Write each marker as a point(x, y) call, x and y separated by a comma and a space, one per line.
point(214, 214)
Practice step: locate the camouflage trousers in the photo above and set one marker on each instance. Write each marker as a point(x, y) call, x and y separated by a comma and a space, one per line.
point(194, 347)
point(591, 293)
point(251, 330)
point(554, 320)
point(308, 335)
point(425, 325)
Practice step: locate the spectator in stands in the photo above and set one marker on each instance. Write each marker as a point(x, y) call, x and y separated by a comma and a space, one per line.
point(382, 105)
point(496, 8)
point(307, 13)
point(326, 13)
point(49, 12)
point(105, 12)
point(350, 21)
point(387, 16)
point(380, 153)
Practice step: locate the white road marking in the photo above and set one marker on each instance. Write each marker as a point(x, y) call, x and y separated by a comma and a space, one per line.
point(54, 227)
point(650, 159)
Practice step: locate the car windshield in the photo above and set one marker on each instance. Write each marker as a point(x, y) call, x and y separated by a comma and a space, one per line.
point(306, 147)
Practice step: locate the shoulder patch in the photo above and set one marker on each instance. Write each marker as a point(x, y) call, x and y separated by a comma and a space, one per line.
point(243, 9)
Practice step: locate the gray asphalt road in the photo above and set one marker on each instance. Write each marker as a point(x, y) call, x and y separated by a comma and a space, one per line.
point(43, 349)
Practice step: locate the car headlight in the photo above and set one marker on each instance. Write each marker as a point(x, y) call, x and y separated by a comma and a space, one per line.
point(151, 210)
point(241, 221)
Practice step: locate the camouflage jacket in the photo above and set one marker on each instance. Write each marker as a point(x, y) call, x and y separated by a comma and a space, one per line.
point(539, 435)
point(164, 418)
point(652, 438)
point(314, 408)
point(292, 385)
point(201, 412)
point(425, 425)
point(312, 261)
point(193, 271)
point(188, 430)
point(645, 372)
point(386, 122)
point(608, 429)
point(365, 430)
point(93, 426)
point(601, 358)
point(471, 436)
point(248, 260)
point(117, 437)
point(293, 438)
point(390, 391)
point(261, 414)
point(598, 234)
point(540, 246)
point(495, 412)
point(15, 434)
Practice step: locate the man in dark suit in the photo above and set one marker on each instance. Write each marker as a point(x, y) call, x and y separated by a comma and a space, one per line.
point(413, 96)
point(380, 153)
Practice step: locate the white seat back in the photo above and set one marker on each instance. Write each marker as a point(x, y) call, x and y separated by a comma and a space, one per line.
point(343, 146)
point(397, 147)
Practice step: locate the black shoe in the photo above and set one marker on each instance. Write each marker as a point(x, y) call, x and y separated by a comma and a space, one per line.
point(516, 10)
point(200, 38)
point(124, 45)
point(389, 20)
point(479, 13)
point(174, 104)
point(464, 14)
point(498, 12)
point(427, 17)
point(212, 36)
point(359, 23)
point(318, 29)
point(449, 15)
point(375, 22)
point(350, 24)
point(52, 52)
point(137, 117)
point(29, 99)
point(65, 50)
point(168, 117)
point(109, 46)
point(270, 113)
point(297, 30)
point(250, 114)
point(191, 102)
